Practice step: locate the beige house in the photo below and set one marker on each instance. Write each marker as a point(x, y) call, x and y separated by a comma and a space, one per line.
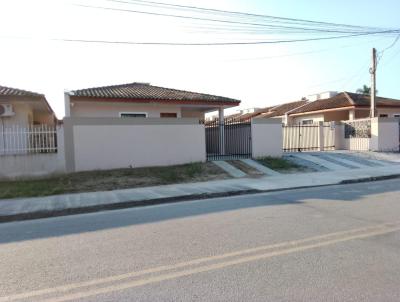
point(341, 107)
point(24, 108)
point(142, 100)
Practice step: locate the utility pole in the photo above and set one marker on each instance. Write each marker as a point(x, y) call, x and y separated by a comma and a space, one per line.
point(372, 71)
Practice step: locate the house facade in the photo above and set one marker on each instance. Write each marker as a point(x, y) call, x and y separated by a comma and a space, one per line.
point(142, 100)
point(342, 107)
point(24, 108)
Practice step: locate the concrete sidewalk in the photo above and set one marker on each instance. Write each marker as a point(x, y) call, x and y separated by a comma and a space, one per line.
point(31, 208)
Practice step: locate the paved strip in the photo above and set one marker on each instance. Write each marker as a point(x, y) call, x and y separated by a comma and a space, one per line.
point(338, 159)
point(361, 160)
point(259, 167)
point(228, 168)
point(375, 157)
point(242, 254)
point(327, 164)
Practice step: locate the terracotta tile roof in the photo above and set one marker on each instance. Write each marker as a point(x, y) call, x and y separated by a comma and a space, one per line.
point(144, 91)
point(267, 112)
point(345, 99)
point(246, 116)
point(364, 100)
point(7, 91)
point(281, 110)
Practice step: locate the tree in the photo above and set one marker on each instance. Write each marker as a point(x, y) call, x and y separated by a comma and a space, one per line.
point(365, 90)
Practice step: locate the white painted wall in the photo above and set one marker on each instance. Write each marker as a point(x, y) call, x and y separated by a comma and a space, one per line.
point(315, 117)
point(114, 143)
point(385, 134)
point(108, 109)
point(267, 137)
point(391, 112)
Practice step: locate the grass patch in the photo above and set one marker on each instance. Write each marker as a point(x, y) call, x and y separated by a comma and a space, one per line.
point(281, 164)
point(110, 180)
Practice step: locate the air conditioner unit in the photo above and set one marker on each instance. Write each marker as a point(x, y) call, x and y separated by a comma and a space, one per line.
point(6, 110)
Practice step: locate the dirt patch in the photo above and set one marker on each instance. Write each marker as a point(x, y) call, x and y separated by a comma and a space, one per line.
point(111, 180)
point(283, 165)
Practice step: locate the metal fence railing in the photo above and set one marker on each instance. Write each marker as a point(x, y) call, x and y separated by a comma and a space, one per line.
point(228, 140)
point(17, 139)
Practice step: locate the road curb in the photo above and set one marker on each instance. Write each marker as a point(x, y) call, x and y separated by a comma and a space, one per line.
point(120, 205)
point(158, 201)
point(369, 179)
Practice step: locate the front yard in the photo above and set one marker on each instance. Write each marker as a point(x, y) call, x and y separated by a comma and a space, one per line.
point(110, 180)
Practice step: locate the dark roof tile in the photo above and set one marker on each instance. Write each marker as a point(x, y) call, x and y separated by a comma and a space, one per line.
point(147, 92)
point(7, 91)
point(345, 99)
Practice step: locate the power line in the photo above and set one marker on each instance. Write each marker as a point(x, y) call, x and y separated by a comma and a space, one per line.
point(271, 26)
point(221, 43)
point(380, 54)
point(302, 53)
point(149, 3)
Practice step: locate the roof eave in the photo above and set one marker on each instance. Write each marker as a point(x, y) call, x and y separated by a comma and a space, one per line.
point(323, 110)
point(152, 100)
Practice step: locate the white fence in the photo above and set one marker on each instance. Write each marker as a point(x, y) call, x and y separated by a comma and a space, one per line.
point(314, 137)
point(16, 140)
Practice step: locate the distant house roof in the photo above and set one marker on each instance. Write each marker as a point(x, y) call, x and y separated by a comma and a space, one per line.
point(8, 91)
point(281, 110)
point(144, 91)
point(345, 99)
point(268, 112)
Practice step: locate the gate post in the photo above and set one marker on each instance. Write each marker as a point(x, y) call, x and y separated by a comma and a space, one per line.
point(320, 136)
point(221, 131)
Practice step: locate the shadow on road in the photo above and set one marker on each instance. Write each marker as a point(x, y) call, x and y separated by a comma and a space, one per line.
point(60, 226)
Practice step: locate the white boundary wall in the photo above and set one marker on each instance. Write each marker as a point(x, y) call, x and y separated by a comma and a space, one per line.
point(384, 137)
point(384, 134)
point(112, 143)
point(267, 137)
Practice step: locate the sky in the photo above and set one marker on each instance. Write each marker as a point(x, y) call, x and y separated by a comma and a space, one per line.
point(259, 75)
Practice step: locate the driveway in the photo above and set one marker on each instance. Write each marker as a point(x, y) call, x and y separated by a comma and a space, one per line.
point(343, 160)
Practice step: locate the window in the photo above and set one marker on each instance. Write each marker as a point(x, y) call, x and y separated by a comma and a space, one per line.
point(307, 122)
point(168, 114)
point(132, 114)
point(383, 115)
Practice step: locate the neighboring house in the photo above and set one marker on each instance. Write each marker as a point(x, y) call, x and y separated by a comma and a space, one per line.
point(142, 100)
point(278, 111)
point(24, 108)
point(342, 106)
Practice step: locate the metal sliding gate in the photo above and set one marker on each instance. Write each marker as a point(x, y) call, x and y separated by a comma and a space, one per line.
point(228, 140)
point(298, 138)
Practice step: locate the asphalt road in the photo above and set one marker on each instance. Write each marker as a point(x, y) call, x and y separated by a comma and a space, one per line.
point(338, 243)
